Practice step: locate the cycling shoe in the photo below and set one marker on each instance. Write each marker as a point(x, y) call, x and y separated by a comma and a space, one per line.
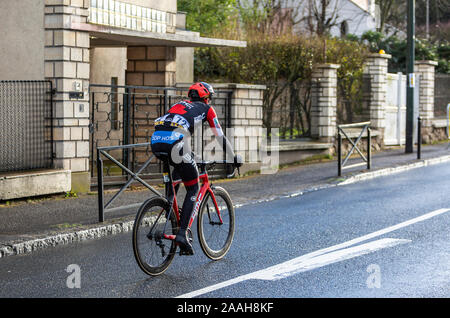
point(185, 243)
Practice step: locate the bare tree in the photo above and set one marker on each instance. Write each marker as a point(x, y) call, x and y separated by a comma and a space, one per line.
point(391, 12)
point(321, 15)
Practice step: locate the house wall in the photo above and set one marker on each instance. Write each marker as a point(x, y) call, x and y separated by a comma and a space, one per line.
point(358, 20)
point(107, 63)
point(185, 65)
point(22, 40)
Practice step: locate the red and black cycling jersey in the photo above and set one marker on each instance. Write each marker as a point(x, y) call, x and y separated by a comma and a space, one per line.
point(186, 115)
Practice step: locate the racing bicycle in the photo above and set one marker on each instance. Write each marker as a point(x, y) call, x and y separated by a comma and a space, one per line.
point(158, 221)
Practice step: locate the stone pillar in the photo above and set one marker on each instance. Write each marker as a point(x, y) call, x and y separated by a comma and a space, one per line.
point(246, 120)
point(375, 74)
point(324, 102)
point(67, 65)
point(151, 66)
point(425, 69)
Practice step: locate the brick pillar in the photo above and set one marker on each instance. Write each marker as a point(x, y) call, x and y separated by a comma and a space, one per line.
point(324, 102)
point(151, 66)
point(67, 65)
point(375, 73)
point(246, 120)
point(425, 69)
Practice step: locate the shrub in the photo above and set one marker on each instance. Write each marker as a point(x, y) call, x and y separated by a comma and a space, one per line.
point(284, 64)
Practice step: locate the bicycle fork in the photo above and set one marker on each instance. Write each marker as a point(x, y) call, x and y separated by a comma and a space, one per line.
point(216, 208)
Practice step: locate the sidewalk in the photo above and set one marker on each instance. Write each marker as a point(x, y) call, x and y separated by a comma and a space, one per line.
point(37, 223)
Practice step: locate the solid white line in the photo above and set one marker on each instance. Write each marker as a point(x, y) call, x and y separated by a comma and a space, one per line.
point(303, 264)
point(313, 260)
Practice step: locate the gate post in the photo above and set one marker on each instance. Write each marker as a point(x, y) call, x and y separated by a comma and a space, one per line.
point(375, 76)
point(66, 64)
point(426, 72)
point(324, 102)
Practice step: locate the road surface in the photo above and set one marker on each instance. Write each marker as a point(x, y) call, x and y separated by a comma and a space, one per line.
point(386, 237)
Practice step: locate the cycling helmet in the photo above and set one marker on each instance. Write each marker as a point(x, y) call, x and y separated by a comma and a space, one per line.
point(201, 91)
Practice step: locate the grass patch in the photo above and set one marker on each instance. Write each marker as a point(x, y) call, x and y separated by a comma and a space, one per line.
point(65, 226)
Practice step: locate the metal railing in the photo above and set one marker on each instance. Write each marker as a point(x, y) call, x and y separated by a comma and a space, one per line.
point(26, 125)
point(366, 160)
point(288, 108)
point(102, 207)
point(124, 115)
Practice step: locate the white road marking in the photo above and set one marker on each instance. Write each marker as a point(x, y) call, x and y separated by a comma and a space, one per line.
point(307, 262)
point(322, 257)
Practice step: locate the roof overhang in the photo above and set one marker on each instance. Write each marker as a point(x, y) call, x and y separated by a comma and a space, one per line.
point(106, 36)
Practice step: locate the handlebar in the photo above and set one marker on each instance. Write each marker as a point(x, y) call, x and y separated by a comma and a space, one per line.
point(203, 164)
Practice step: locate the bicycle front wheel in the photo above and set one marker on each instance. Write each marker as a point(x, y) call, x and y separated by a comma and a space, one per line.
point(152, 250)
point(216, 233)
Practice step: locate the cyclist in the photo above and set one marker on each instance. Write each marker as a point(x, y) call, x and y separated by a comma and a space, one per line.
point(172, 136)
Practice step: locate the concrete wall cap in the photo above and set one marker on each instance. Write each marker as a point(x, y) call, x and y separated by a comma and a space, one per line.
point(378, 55)
point(26, 174)
point(228, 85)
point(426, 62)
point(327, 65)
point(237, 85)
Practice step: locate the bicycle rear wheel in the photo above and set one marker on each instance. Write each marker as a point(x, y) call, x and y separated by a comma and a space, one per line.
point(152, 251)
point(215, 236)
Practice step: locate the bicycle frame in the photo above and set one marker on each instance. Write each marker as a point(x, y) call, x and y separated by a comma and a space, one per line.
point(204, 189)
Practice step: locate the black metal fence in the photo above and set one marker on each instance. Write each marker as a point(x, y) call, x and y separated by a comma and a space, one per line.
point(123, 115)
point(287, 106)
point(26, 119)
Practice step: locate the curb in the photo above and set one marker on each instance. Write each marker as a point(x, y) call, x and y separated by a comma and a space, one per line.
point(64, 238)
point(126, 226)
point(394, 170)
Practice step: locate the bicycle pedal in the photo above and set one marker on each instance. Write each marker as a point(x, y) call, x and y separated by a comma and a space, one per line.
point(187, 253)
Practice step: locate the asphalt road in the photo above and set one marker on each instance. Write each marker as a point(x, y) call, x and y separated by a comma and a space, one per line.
point(386, 237)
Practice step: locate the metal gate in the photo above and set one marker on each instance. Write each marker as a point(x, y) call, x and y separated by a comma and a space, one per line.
point(123, 115)
point(26, 110)
point(395, 111)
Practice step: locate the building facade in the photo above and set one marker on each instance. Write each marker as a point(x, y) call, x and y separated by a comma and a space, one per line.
point(74, 44)
point(346, 16)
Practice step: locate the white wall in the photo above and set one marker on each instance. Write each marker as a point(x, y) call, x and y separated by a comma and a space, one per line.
point(357, 19)
point(107, 63)
point(22, 40)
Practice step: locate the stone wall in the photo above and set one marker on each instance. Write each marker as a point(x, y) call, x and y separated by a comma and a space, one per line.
point(151, 66)
point(246, 120)
point(436, 130)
